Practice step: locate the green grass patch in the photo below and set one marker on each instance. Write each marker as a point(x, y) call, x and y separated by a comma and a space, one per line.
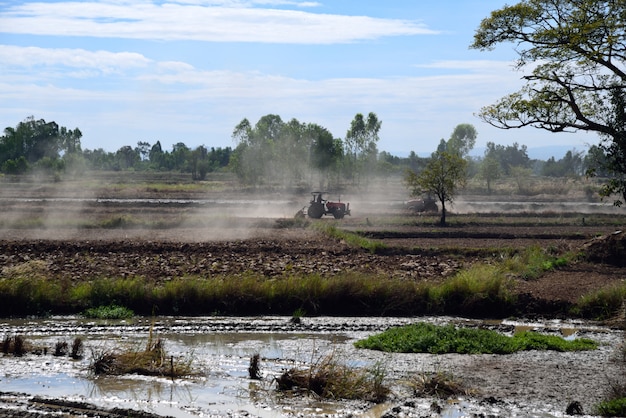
point(534, 261)
point(352, 239)
point(254, 294)
point(612, 408)
point(108, 312)
point(428, 338)
point(602, 304)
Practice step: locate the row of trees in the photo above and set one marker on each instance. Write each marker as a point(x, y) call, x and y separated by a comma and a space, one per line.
point(46, 146)
point(277, 152)
point(274, 151)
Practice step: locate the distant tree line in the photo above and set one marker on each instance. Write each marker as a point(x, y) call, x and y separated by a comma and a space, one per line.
point(273, 151)
point(37, 145)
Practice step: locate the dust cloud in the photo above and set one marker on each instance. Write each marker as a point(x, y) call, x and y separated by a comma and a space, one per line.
point(127, 206)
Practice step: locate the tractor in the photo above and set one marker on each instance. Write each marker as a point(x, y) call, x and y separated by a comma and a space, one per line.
point(318, 207)
point(424, 204)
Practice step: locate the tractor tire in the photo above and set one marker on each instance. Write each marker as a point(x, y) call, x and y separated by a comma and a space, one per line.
point(315, 210)
point(338, 214)
point(431, 207)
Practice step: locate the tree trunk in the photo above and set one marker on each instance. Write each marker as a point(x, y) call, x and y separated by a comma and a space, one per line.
point(442, 222)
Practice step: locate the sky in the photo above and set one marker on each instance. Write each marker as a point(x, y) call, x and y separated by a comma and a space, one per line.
point(124, 71)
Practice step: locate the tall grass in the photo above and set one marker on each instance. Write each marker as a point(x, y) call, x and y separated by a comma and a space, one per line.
point(533, 262)
point(603, 304)
point(485, 290)
point(330, 378)
point(253, 294)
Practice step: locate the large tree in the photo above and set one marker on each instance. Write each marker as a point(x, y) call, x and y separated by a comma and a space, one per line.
point(360, 142)
point(463, 139)
point(444, 174)
point(577, 49)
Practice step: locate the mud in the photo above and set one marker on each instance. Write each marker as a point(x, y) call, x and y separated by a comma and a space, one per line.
point(159, 240)
point(536, 383)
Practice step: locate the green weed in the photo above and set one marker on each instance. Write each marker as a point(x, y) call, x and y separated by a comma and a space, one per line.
point(428, 338)
point(602, 304)
point(612, 408)
point(108, 312)
point(351, 238)
point(533, 262)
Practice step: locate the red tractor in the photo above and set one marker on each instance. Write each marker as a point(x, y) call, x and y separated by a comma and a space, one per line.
point(318, 207)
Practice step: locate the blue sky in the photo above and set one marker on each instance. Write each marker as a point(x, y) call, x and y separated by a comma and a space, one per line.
point(189, 71)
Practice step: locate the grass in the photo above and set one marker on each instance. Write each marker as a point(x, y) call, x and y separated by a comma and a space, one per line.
point(479, 290)
point(439, 385)
point(108, 312)
point(473, 292)
point(603, 304)
point(329, 378)
point(153, 360)
point(428, 338)
point(352, 239)
point(534, 261)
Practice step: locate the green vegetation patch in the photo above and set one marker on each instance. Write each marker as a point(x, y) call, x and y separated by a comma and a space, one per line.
point(109, 312)
point(351, 238)
point(428, 338)
point(612, 408)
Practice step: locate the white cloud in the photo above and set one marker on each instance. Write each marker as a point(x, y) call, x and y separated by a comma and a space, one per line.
point(169, 100)
point(202, 22)
point(16, 56)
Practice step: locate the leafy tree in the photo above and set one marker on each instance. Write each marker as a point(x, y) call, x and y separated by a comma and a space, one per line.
point(143, 149)
point(272, 150)
point(522, 178)
point(18, 166)
point(361, 140)
point(463, 139)
point(577, 49)
point(126, 157)
point(99, 159)
point(33, 140)
point(444, 174)
point(595, 161)
point(489, 170)
point(156, 155)
point(199, 163)
point(508, 156)
point(69, 140)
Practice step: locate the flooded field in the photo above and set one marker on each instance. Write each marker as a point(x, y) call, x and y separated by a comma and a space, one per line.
point(220, 348)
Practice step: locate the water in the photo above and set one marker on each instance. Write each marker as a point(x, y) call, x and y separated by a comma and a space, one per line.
point(220, 349)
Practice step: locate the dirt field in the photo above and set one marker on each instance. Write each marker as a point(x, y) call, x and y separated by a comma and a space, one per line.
point(159, 240)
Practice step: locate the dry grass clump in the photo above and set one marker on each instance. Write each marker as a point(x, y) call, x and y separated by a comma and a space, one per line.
point(31, 269)
point(330, 379)
point(439, 384)
point(16, 345)
point(152, 361)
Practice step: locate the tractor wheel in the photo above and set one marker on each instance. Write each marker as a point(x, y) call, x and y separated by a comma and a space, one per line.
point(338, 214)
point(431, 206)
point(316, 210)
